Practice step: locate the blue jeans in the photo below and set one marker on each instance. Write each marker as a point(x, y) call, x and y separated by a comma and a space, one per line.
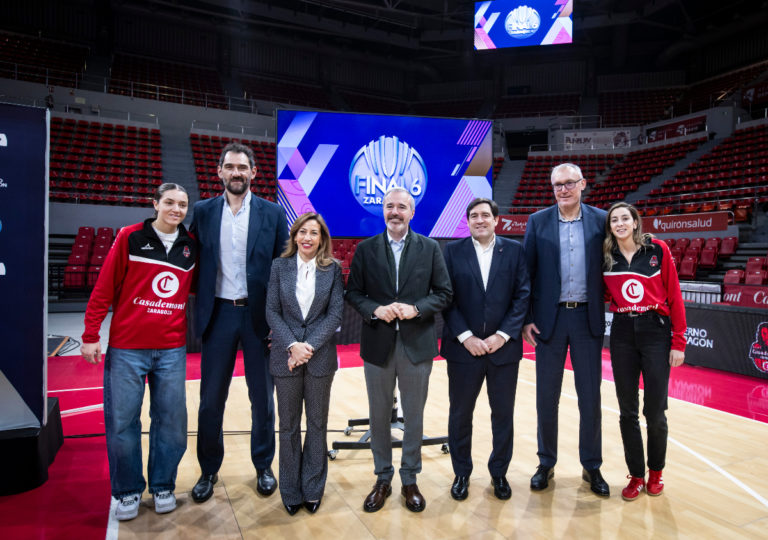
point(125, 371)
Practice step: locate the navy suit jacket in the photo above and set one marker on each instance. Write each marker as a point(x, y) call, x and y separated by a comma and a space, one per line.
point(542, 252)
point(502, 305)
point(423, 282)
point(267, 235)
point(288, 325)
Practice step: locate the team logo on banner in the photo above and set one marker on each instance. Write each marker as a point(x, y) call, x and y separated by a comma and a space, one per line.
point(165, 284)
point(522, 22)
point(632, 291)
point(383, 164)
point(758, 352)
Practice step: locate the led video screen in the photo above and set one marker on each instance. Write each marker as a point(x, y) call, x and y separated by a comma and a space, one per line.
point(510, 23)
point(341, 165)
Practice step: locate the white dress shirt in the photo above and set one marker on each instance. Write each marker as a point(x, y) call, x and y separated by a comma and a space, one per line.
point(231, 280)
point(484, 259)
point(305, 284)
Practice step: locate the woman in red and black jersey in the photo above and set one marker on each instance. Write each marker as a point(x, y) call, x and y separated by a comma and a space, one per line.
point(647, 336)
point(146, 279)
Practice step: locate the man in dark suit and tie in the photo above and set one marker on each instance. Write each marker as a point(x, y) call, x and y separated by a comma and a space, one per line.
point(482, 340)
point(398, 282)
point(238, 235)
point(564, 251)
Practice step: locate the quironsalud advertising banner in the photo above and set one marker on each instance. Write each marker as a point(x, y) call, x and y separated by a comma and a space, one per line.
point(341, 165)
point(23, 265)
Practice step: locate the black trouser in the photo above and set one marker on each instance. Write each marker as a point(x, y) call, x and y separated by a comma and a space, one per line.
point(641, 345)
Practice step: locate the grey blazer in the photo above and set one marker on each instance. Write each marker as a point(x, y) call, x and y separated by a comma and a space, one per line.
point(284, 317)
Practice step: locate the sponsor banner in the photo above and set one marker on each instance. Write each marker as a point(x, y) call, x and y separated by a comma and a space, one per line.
point(756, 94)
point(23, 265)
point(512, 225)
point(722, 337)
point(746, 295)
point(686, 223)
point(587, 140)
point(676, 129)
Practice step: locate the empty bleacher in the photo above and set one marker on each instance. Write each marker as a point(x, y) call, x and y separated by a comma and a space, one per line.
point(166, 81)
point(103, 163)
point(288, 92)
point(636, 107)
point(538, 105)
point(731, 177)
point(636, 169)
point(41, 60)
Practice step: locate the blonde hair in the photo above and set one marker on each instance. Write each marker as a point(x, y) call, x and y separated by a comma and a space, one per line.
point(610, 245)
point(324, 257)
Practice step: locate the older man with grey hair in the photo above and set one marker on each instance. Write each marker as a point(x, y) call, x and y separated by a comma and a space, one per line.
point(564, 252)
point(398, 282)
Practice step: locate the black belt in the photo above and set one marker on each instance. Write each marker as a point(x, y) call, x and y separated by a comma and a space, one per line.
point(237, 302)
point(633, 314)
point(571, 305)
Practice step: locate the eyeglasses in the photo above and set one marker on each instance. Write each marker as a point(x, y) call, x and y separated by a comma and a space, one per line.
point(568, 185)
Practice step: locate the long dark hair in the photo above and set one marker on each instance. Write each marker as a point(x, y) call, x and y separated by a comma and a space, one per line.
point(610, 245)
point(162, 189)
point(324, 257)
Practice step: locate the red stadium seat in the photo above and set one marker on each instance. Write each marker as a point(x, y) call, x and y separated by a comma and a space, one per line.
point(688, 268)
point(756, 277)
point(74, 276)
point(708, 257)
point(729, 246)
point(682, 243)
point(755, 263)
point(734, 276)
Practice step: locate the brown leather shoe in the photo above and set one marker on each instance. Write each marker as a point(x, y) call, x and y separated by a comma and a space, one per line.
point(376, 498)
point(414, 500)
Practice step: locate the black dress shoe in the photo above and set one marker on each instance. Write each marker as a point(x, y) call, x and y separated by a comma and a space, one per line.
point(266, 483)
point(414, 500)
point(292, 508)
point(378, 496)
point(312, 506)
point(541, 479)
point(204, 487)
point(501, 488)
point(460, 488)
point(596, 482)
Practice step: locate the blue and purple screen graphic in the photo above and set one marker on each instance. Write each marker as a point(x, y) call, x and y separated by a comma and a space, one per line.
point(341, 165)
point(512, 23)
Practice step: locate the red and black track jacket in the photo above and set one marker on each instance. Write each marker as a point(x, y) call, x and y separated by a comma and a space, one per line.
point(147, 287)
point(649, 282)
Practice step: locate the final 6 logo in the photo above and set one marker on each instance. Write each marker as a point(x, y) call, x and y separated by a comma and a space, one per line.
point(382, 164)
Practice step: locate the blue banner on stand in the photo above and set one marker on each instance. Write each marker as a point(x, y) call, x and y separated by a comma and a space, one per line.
point(23, 265)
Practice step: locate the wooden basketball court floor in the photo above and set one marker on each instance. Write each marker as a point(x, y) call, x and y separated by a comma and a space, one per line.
point(716, 479)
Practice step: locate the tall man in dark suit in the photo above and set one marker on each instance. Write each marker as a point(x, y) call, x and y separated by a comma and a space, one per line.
point(564, 250)
point(398, 282)
point(482, 340)
point(238, 234)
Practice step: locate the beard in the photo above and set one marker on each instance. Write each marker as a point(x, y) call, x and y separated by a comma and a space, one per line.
point(237, 189)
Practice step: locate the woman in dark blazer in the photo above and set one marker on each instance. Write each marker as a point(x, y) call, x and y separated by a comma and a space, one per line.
point(304, 306)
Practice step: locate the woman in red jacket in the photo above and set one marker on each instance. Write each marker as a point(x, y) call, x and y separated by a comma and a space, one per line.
point(146, 278)
point(647, 336)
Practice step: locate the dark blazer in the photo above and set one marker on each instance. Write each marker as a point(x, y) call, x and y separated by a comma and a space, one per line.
point(267, 234)
point(288, 325)
point(423, 282)
point(503, 305)
point(542, 253)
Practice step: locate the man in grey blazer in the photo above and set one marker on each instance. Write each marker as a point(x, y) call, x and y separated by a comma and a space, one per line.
point(398, 282)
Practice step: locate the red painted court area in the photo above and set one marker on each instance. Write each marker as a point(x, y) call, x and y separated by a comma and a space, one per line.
point(74, 503)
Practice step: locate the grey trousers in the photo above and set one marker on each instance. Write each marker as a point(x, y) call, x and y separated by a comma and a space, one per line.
point(413, 381)
point(303, 470)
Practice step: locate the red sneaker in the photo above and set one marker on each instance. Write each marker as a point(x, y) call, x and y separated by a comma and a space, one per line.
point(655, 483)
point(633, 489)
